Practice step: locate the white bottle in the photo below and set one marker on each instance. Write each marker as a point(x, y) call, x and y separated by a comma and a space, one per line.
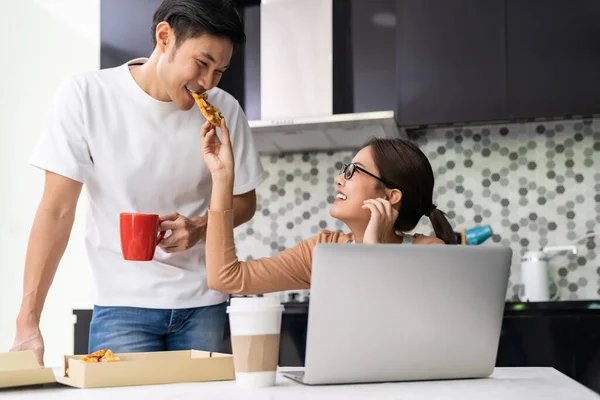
point(534, 273)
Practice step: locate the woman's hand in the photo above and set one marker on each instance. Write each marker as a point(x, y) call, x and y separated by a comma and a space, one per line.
point(383, 216)
point(217, 153)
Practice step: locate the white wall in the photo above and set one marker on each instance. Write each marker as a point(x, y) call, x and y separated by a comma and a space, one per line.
point(44, 41)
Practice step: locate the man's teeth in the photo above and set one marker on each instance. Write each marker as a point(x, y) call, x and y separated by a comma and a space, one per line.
point(340, 196)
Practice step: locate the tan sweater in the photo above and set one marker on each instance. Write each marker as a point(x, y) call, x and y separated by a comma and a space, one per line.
point(288, 270)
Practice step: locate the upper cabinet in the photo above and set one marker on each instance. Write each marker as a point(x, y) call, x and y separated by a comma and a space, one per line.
point(553, 57)
point(450, 58)
point(373, 64)
point(471, 60)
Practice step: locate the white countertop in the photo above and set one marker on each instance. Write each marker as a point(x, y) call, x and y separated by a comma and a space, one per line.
point(505, 383)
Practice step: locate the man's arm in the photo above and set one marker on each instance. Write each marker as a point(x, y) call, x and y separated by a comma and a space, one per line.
point(47, 242)
point(244, 207)
point(186, 232)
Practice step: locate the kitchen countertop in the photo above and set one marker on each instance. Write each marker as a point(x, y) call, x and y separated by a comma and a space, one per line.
point(505, 383)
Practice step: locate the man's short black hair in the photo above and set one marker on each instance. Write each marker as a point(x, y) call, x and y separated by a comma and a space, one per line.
point(193, 18)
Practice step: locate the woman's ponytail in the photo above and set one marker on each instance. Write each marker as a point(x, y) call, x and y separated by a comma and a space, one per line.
point(442, 228)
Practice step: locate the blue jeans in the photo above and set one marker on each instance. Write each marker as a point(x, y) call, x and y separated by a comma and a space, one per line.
point(133, 330)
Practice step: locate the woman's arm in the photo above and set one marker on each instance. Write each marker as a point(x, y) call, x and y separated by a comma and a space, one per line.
point(288, 270)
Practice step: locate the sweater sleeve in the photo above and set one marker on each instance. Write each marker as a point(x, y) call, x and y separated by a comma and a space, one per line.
point(288, 270)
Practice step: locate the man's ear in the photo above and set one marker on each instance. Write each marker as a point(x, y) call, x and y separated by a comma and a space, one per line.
point(164, 34)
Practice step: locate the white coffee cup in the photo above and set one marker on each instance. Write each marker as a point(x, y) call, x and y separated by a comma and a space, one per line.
point(255, 324)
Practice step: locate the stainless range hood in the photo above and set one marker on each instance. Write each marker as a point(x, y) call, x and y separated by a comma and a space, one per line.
point(296, 41)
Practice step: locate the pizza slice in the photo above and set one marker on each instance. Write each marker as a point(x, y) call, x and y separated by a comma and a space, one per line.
point(109, 357)
point(105, 355)
point(210, 112)
point(93, 357)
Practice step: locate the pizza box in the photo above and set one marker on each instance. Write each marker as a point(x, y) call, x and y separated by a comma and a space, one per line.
point(20, 368)
point(152, 368)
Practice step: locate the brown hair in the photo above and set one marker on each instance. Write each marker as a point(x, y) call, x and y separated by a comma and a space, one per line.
point(403, 164)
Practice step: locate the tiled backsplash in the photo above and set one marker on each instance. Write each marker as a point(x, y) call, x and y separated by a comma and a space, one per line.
point(535, 183)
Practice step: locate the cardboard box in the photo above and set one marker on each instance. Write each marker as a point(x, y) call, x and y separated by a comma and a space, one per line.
point(149, 369)
point(20, 368)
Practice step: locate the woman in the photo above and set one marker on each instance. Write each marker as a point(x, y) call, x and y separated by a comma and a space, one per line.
point(382, 193)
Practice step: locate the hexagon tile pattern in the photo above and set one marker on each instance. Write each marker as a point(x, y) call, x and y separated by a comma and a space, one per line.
point(535, 183)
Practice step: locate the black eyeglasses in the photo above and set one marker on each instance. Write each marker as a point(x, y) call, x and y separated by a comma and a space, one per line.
point(349, 169)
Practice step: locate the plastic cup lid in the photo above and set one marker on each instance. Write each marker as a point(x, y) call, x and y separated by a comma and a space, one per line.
point(254, 303)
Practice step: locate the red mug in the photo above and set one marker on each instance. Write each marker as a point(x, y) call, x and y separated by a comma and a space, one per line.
point(139, 236)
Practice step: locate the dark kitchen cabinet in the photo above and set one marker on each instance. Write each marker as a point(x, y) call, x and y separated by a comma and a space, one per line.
point(125, 30)
point(587, 356)
point(251, 67)
point(553, 57)
point(539, 340)
point(373, 43)
point(450, 58)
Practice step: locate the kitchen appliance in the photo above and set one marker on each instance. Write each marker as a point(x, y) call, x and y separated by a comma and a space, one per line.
point(302, 101)
point(534, 272)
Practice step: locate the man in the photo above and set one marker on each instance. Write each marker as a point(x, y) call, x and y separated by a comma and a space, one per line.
point(131, 134)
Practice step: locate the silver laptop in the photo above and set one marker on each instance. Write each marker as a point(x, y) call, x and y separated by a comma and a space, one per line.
point(382, 313)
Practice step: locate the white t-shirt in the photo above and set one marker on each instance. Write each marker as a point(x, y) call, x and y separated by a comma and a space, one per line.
point(138, 154)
